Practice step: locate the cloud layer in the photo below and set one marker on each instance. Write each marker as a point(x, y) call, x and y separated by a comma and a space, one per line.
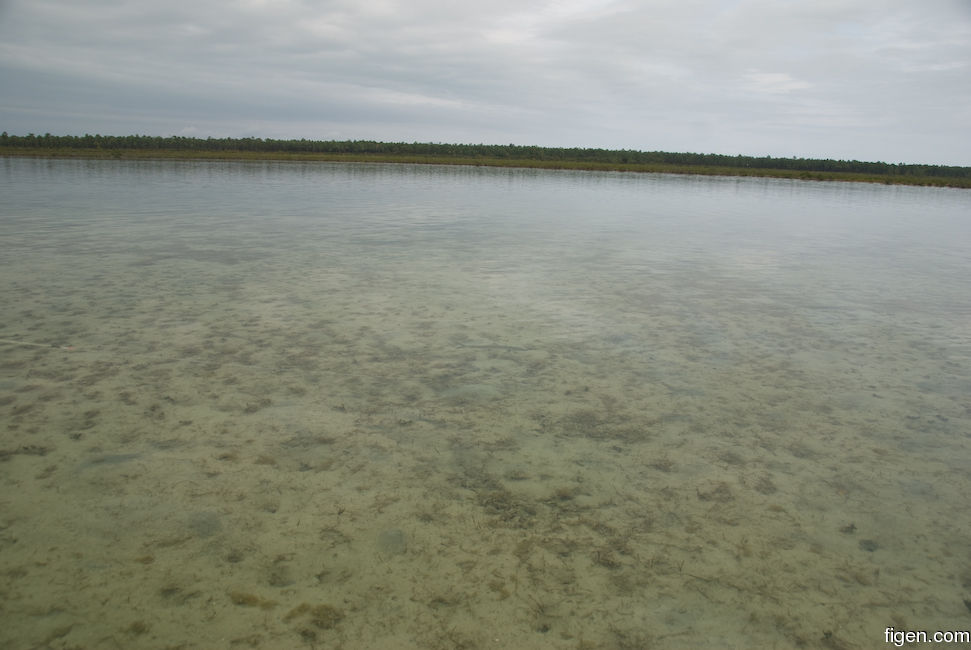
point(830, 78)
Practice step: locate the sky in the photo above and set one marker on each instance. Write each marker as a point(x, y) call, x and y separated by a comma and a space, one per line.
point(875, 80)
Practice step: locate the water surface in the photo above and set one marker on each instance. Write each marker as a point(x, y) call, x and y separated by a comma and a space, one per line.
point(321, 405)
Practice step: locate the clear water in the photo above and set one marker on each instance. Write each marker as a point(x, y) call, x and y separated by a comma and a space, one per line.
point(284, 405)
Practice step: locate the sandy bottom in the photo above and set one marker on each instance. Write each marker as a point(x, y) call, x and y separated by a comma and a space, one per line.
point(211, 452)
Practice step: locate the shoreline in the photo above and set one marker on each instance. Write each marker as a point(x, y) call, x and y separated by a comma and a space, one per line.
point(656, 168)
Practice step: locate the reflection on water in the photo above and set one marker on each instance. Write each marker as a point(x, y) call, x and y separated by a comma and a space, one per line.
point(319, 405)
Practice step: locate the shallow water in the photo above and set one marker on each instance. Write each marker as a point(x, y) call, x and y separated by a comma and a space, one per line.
point(284, 405)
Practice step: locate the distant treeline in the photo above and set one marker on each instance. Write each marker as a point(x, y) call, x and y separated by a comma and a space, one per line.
point(473, 151)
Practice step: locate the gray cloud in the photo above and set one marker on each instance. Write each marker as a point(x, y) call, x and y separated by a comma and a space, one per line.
point(831, 78)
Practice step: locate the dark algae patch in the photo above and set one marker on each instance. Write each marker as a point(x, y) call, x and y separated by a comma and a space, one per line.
point(312, 619)
point(246, 599)
point(868, 545)
point(323, 616)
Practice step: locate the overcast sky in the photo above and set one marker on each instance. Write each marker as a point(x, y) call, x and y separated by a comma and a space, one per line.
point(886, 80)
